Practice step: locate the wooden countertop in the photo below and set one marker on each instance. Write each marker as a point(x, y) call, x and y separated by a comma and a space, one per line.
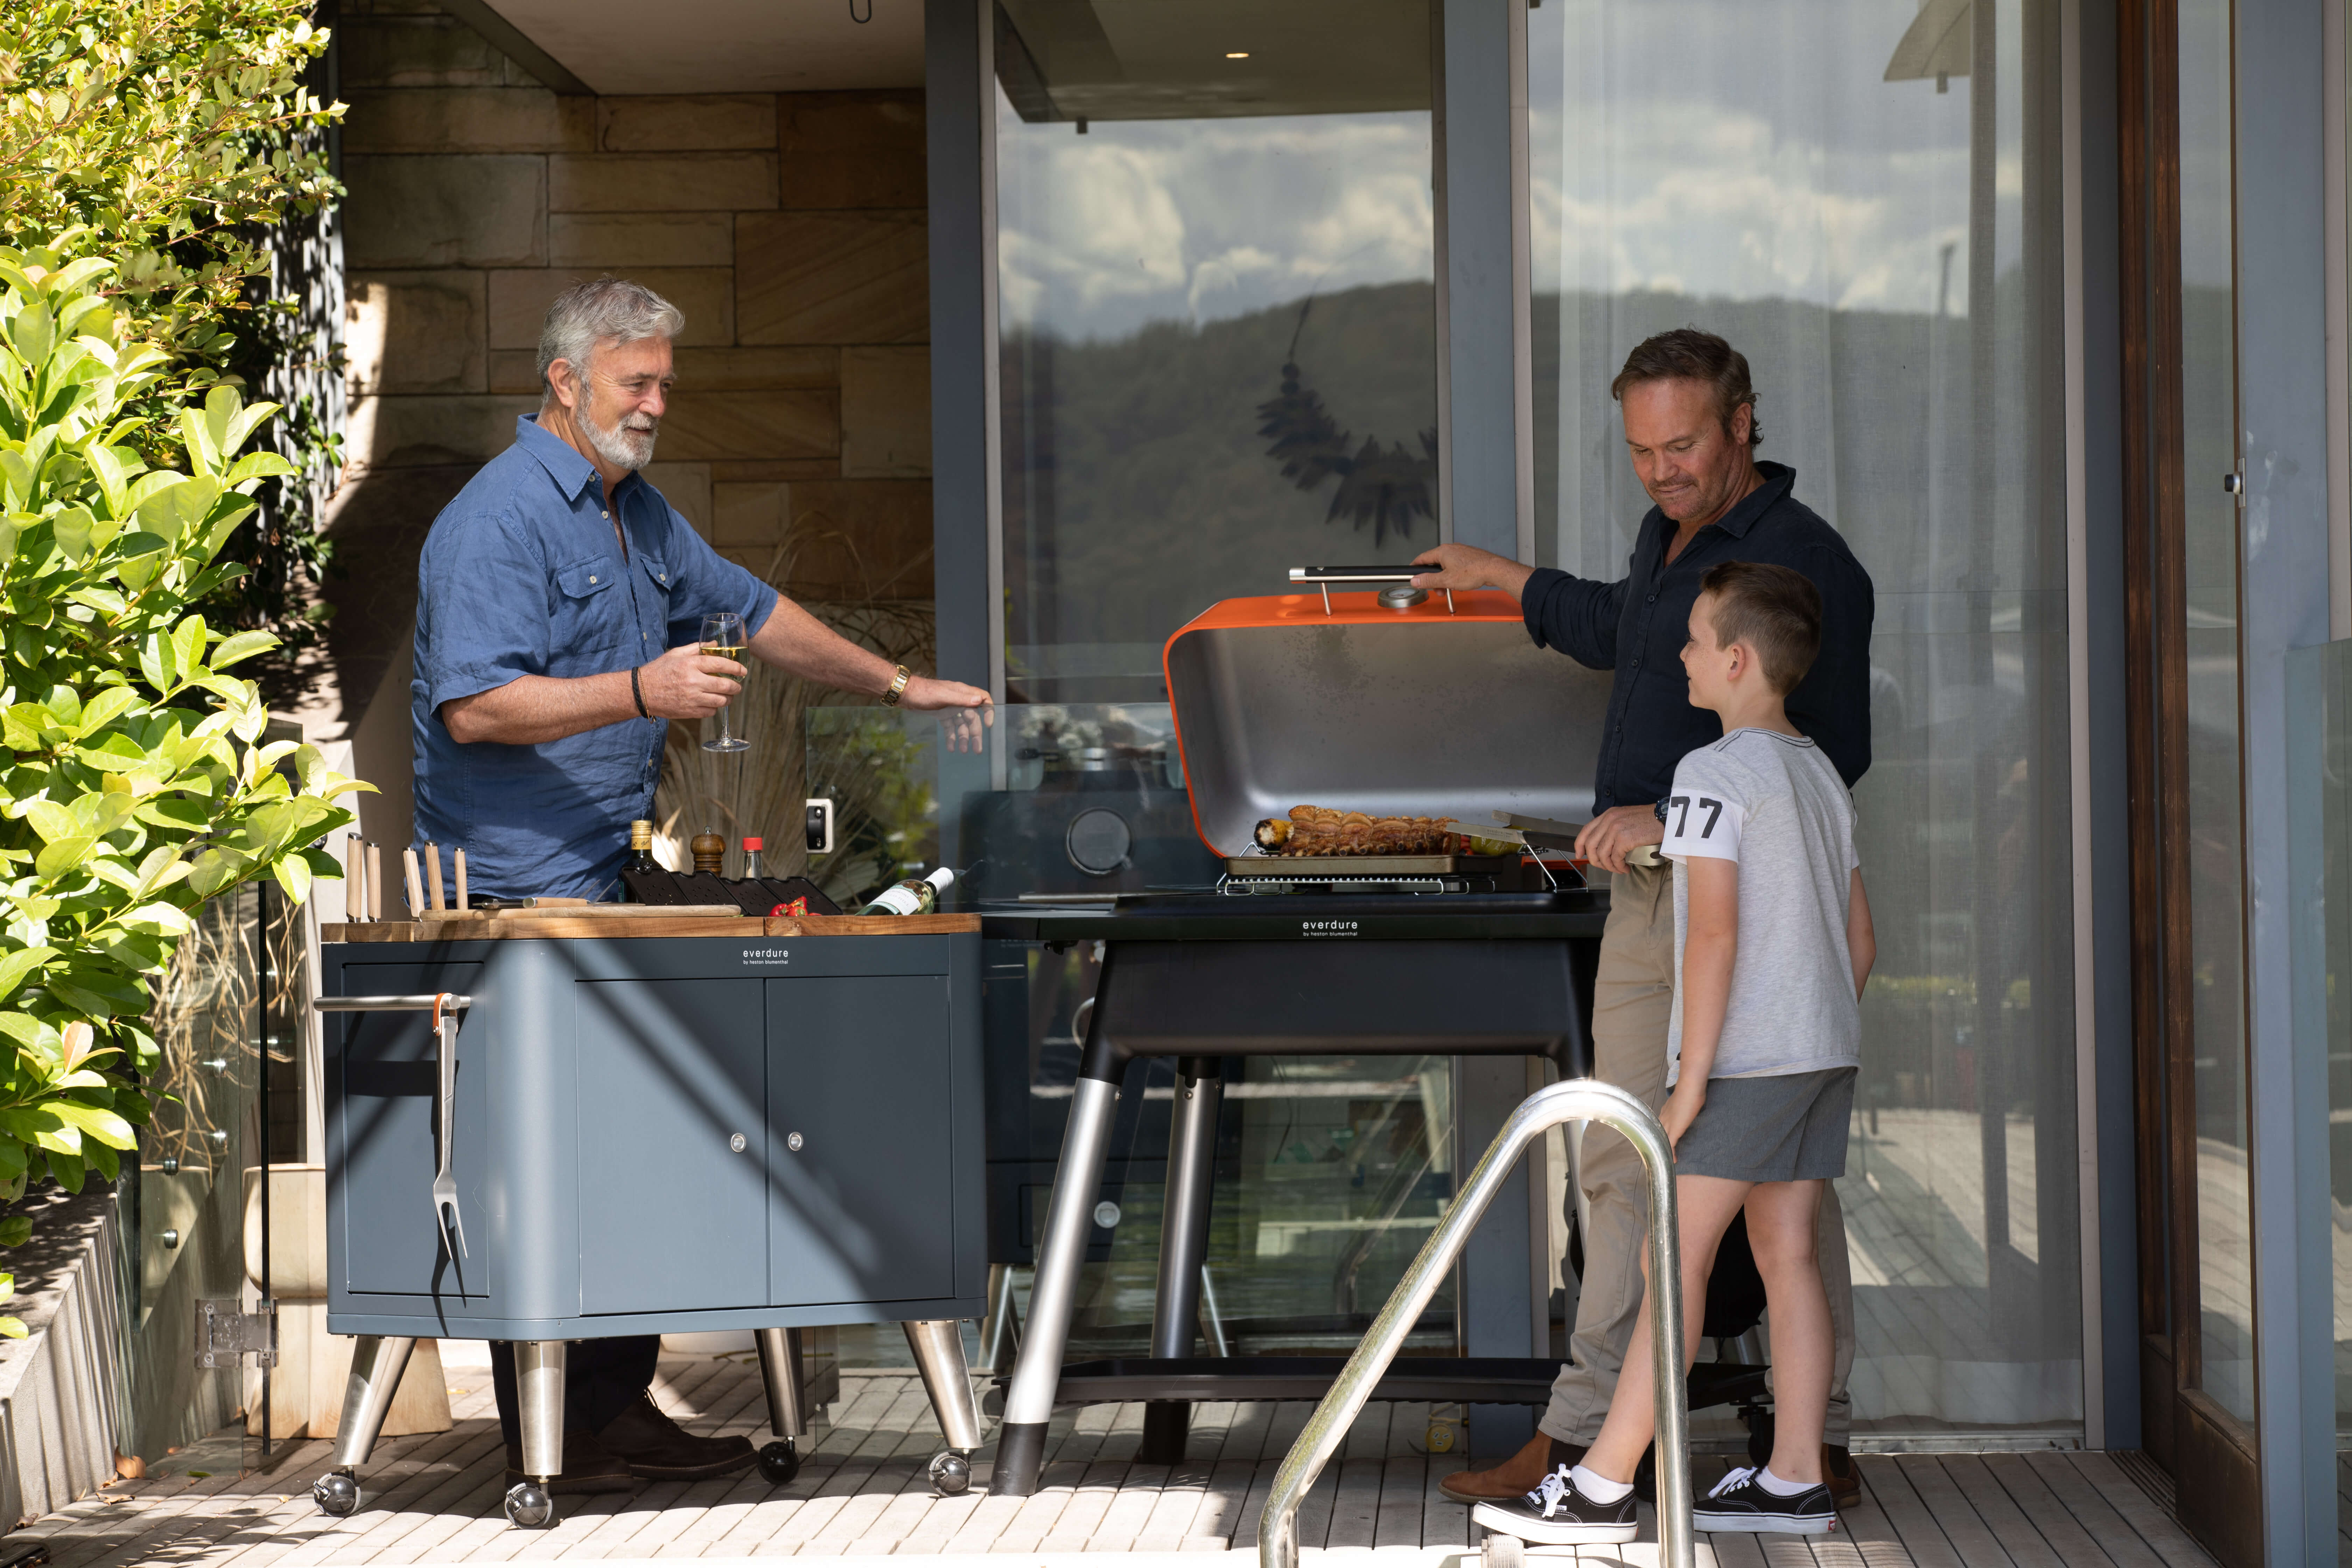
point(502, 926)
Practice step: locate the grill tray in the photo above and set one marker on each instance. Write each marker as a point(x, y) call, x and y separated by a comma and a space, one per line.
point(1310, 867)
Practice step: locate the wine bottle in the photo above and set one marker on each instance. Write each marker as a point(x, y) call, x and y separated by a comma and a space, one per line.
point(915, 896)
point(641, 865)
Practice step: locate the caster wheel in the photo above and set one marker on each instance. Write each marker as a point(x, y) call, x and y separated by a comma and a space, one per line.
point(1505, 1551)
point(336, 1492)
point(528, 1507)
point(778, 1463)
point(1439, 1437)
point(951, 1473)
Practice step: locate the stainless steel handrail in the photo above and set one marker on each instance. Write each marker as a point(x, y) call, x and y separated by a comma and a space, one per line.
point(1580, 1099)
point(392, 1004)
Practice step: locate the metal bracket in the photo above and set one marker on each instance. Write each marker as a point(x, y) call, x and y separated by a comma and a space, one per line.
point(226, 1333)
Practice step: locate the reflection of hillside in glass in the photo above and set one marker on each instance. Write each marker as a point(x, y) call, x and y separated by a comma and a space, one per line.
point(1140, 485)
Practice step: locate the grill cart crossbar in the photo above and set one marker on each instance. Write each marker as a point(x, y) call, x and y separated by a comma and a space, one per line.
point(1580, 1099)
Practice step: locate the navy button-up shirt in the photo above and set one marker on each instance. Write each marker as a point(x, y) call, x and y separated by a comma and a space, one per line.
point(522, 575)
point(1637, 626)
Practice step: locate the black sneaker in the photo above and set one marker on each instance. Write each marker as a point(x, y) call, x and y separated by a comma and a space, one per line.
point(1557, 1514)
point(1740, 1504)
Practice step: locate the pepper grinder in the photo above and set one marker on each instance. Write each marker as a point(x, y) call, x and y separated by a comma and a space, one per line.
point(709, 853)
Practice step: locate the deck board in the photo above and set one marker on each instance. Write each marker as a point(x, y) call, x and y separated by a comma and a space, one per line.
point(862, 1490)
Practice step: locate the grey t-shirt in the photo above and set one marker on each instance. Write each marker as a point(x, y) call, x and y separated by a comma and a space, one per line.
point(1773, 803)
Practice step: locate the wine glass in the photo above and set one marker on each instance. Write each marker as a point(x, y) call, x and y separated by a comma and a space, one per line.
point(722, 635)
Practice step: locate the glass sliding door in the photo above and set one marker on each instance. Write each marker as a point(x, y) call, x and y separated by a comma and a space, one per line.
point(1218, 352)
point(1863, 195)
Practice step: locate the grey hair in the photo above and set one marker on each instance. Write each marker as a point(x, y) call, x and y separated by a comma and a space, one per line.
point(607, 310)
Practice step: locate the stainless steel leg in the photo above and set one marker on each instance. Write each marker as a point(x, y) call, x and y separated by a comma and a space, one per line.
point(779, 1370)
point(1184, 1247)
point(999, 1331)
point(1212, 1321)
point(939, 1356)
point(1037, 1372)
point(377, 1362)
point(539, 1379)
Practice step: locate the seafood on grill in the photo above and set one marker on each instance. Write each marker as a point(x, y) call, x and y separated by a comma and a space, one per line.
point(1319, 830)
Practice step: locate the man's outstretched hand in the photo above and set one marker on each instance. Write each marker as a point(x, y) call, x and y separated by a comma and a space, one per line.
point(1467, 566)
point(964, 710)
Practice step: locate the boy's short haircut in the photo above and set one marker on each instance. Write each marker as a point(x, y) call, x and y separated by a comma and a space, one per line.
point(1772, 609)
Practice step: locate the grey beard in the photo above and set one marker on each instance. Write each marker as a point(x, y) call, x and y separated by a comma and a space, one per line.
point(617, 445)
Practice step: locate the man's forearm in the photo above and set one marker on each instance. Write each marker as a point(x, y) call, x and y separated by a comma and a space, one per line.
point(531, 710)
point(793, 639)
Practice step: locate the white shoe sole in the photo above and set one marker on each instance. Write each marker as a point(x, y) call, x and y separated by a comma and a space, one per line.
point(1753, 1524)
point(1542, 1532)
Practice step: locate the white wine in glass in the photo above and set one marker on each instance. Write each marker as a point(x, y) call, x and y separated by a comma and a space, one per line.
point(722, 635)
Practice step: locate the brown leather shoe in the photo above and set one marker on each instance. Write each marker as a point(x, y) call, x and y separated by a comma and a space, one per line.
point(1515, 1476)
point(588, 1467)
point(660, 1449)
point(1843, 1480)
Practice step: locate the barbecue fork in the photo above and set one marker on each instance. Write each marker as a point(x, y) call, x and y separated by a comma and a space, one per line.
point(446, 1220)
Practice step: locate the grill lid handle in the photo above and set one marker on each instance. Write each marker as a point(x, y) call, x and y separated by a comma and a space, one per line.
point(1324, 576)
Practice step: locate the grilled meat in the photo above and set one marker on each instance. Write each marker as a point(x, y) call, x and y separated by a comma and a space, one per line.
point(1319, 830)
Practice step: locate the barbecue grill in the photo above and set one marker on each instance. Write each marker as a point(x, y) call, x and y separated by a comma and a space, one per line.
point(1391, 703)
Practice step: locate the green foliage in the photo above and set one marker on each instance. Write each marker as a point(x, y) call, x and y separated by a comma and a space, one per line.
point(137, 786)
point(177, 138)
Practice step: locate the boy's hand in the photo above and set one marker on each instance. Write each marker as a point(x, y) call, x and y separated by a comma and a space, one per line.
point(1681, 1107)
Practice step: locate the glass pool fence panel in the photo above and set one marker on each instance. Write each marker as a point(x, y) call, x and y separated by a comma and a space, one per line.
point(1862, 196)
point(2320, 693)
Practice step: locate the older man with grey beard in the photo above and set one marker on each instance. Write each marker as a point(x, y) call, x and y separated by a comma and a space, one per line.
point(559, 603)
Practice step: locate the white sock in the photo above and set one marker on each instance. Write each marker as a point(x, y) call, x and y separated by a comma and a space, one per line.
point(1779, 1488)
point(1598, 1488)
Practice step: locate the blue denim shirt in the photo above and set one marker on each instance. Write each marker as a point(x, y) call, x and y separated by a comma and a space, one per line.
point(522, 575)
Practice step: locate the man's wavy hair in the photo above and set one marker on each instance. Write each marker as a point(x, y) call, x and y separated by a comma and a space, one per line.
point(606, 310)
point(1687, 353)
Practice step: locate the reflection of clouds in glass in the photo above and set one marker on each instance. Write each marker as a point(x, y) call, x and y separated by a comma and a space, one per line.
point(1204, 220)
point(1772, 164)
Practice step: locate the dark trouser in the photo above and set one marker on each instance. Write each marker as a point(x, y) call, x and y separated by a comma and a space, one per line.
point(601, 1379)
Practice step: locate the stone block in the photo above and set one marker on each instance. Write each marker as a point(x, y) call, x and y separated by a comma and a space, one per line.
point(420, 432)
point(704, 123)
point(519, 299)
point(851, 150)
point(414, 331)
point(687, 487)
point(859, 538)
point(641, 240)
point(485, 210)
point(709, 425)
point(832, 277)
point(467, 119)
point(774, 472)
point(886, 413)
point(748, 517)
point(515, 371)
point(757, 370)
point(661, 182)
point(415, 51)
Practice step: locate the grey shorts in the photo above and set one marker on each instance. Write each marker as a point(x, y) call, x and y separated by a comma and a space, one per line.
point(1790, 1127)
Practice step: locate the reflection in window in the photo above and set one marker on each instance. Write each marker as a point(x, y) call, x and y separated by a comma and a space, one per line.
point(1862, 196)
point(1214, 270)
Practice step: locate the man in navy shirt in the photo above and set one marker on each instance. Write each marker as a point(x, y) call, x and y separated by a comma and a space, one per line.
point(558, 613)
point(1691, 429)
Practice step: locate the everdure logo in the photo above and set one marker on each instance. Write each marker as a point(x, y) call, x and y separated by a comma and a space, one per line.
point(1327, 928)
point(767, 956)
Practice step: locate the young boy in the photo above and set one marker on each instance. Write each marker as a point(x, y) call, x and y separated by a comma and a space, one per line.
point(1772, 945)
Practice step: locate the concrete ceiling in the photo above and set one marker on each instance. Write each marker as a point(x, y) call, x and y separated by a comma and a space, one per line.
point(727, 46)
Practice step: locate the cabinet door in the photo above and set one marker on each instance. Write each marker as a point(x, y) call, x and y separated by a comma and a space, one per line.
point(385, 1083)
point(861, 1211)
point(672, 1216)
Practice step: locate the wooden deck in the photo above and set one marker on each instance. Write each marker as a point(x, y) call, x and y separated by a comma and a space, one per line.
point(435, 1499)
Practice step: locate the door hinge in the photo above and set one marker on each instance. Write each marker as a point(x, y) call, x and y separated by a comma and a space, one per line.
point(226, 1333)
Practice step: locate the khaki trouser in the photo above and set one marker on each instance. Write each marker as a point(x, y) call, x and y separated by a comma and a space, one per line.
point(1633, 1001)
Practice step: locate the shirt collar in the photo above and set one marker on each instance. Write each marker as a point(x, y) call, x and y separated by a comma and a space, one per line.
point(1778, 478)
point(572, 472)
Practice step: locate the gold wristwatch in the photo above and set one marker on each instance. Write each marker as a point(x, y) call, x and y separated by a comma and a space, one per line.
point(898, 687)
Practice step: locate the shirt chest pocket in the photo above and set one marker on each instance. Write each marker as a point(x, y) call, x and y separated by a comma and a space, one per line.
point(590, 613)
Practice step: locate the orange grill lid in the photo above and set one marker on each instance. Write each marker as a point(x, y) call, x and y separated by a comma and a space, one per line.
point(1412, 711)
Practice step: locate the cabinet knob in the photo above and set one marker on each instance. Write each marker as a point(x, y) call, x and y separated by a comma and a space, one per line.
point(172, 1239)
point(739, 1142)
point(793, 1142)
